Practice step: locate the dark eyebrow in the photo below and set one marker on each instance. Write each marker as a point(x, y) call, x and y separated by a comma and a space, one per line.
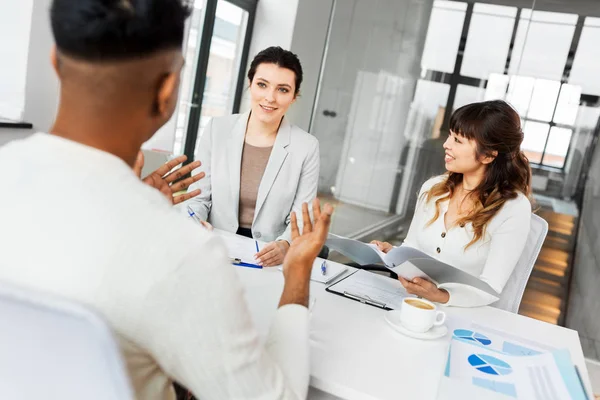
point(280, 85)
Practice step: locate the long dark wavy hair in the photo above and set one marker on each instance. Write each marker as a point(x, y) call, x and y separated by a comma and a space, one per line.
point(496, 129)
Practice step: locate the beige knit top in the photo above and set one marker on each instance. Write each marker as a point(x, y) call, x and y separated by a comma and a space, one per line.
point(254, 163)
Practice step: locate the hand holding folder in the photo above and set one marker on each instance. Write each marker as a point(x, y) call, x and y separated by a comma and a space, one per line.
point(408, 263)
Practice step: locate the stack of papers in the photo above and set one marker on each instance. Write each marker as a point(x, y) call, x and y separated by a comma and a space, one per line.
point(241, 248)
point(333, 271)
point(373, 289)
point(512, 366)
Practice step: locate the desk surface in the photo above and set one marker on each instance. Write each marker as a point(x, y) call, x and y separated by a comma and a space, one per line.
point(356, 355)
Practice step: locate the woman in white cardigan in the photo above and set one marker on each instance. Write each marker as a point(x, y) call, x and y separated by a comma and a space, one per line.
point(476, 217)
point(259, 167)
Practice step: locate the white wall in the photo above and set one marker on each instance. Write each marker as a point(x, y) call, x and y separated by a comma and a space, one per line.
point(41, 88)
point(308, 42)
point(15, 24)
point(274, 24)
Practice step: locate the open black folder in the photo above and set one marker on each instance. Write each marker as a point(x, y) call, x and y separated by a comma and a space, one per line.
point(406, 262)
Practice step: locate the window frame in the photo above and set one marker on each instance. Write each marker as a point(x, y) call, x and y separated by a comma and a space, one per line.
point(199, 85)
point(455, 78)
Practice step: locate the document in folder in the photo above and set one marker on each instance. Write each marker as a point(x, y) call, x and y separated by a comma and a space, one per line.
point(369, 288)
point(407, 262)
point(240, 248)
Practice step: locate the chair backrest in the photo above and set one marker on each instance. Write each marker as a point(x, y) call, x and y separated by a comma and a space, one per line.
point(53, 349)
point(511, 296)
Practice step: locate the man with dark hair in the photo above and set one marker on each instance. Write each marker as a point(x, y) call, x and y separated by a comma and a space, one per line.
point(103, 238)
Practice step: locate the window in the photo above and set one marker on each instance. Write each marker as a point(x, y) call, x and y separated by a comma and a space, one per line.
point(536, 134)
point(486, 49)
point(528, 59)
point(549, 112)
point(586, 62)
point(542, 44)
point(216, 50)
point(443, 36)
point(224, 62)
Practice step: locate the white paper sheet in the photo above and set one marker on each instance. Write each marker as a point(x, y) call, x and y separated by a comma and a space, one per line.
point(370, 286)
point(534, 377)
point(514, 366)
point(240, 247)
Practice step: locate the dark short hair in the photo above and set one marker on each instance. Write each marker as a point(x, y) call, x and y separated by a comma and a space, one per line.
point(106, 30)
point(280, 57)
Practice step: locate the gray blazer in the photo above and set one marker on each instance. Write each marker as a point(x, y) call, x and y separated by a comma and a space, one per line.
point(290, 178)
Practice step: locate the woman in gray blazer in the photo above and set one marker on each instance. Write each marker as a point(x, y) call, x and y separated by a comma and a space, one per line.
point(259, 167)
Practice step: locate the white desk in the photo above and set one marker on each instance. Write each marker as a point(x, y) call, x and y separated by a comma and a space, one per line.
point(356, 355)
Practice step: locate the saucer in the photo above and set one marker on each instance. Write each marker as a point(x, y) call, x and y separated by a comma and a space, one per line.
point(393, 319)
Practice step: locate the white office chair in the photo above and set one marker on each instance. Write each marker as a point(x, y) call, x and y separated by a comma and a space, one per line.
point(54, 349)
point(511, 296)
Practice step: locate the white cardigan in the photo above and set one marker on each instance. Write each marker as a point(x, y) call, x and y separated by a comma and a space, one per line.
point(291, 177)
point(492, 258)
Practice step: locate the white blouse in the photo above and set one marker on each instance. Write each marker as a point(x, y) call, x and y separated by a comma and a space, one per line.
point(492, 258)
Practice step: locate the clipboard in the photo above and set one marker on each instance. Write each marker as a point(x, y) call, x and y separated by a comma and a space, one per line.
point(372, 289)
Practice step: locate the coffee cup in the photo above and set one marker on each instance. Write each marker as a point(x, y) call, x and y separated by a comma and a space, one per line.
point(419, 315)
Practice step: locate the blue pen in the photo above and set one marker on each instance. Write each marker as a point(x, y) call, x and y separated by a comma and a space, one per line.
point(257, 250)
point(324, 268)
point(247, 265)
point(192, 214)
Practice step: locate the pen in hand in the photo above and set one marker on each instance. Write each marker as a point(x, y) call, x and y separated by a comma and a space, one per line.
point(193, 215)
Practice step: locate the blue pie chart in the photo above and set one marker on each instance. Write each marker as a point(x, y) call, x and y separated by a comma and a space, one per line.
point(489, 365)
point(472, 336)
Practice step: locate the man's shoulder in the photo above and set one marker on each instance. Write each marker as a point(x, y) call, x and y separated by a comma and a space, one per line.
point(17, 146)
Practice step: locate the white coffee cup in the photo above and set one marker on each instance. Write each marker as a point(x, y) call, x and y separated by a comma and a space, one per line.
point(419, 315)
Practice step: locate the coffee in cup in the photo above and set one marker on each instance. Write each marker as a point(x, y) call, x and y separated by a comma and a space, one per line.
point(420, 304)
point(419, 315)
